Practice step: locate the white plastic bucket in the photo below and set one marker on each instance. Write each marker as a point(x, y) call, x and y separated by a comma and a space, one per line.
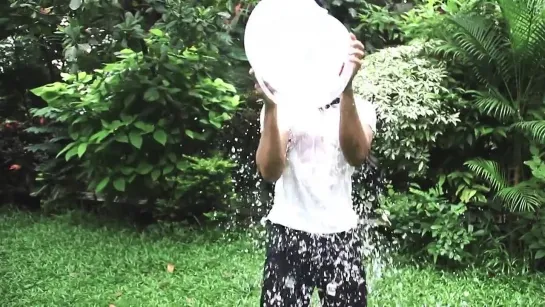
point(299, 50)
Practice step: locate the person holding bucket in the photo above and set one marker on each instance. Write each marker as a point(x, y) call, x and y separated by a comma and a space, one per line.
point(312, 228)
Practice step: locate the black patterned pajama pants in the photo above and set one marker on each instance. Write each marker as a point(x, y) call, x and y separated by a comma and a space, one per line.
point(298, 262)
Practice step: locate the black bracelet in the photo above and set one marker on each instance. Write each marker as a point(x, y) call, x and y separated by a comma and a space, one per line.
point(329, 105)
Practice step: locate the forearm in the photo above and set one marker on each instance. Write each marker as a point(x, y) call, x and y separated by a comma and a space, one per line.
point(271, 152)
point(354, 137)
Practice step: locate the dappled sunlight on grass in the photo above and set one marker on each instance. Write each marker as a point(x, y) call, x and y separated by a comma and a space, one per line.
point(52, 261)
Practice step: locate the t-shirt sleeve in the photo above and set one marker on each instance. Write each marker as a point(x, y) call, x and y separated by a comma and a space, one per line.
point(283, 120)
point(367, 113)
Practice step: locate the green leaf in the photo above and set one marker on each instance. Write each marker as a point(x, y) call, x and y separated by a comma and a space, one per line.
point(73, 134)
point(99, 136)
point(479, 233)
point(190, 133)
point(151, 94)
point(535, 245)
point(129, 100)
point(540, 254)
point(105, 124)
point(215, 123)
point(196, 136)
point(75, 4)
point(71, 53)
point(156, 32)
point(72, 152)
point(168, 169)
point(172, 157)
point(102, 184)
point(131, 178)
point(115, 124)
point(144, 168)
point(125, 170)
point(122, 138)
point(119, 184)
point(160, 136)
point(182, 165)
point(81, 149)
point(65, 149)
point(155, 174)
point(135, 138)
point(127, 119)
point(147, 128)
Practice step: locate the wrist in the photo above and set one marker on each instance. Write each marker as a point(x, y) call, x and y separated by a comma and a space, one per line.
point(348, 90)
point(269, 105)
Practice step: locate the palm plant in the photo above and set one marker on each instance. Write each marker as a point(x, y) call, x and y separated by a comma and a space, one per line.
point(507, 58)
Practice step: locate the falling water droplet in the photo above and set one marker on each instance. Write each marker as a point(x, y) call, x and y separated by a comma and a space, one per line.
point(331, 288)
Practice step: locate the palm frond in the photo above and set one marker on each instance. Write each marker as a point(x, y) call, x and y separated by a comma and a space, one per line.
point(489, 171)
point(525, 25)
point(521, 197)
point(534, 129)
point(508, 53)
point(483, 44)
point(493, 103)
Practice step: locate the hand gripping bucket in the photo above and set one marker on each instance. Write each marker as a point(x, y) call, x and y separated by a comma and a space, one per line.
point(299, 50)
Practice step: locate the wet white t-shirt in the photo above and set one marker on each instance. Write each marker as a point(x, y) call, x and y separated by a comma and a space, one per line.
point(314, 193)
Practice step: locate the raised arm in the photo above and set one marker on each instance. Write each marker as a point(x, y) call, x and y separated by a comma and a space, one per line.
point(271, 152)
point(273, 143)
point(356, 128)
point(357, 119)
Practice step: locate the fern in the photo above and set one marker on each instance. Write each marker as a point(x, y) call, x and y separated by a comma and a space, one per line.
point(506, 56)
point(522, 197)
point(534, 129)
point(483, 45)
point(526, 28)
point(495, 104)
point(489, 171)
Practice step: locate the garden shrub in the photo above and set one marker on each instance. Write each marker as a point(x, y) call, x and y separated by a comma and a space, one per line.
point(141, 127)
point(17, 159)
point(425, 222)
point(414, 106)
point(505, 115)
point(400, 23)
point(16, 163)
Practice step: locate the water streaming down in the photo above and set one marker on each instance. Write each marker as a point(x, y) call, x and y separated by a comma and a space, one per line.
point(308, 190)
point(254, 200)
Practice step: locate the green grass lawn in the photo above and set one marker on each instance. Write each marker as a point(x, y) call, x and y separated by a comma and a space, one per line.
point(66, 261)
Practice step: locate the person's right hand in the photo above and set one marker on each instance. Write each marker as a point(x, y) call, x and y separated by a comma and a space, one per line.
point(259, 91)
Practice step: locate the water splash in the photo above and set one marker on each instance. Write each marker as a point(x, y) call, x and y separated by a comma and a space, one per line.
point(254, 200)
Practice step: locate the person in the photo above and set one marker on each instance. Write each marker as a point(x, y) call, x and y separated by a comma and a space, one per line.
point(312, 228)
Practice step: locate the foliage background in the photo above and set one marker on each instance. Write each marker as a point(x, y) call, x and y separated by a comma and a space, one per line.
point(144, 108)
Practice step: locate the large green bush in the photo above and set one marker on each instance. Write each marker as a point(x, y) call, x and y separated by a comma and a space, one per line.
point(428, 224)
point(500, 57)
point(414, 106)
point(42, 39)
point(141, 126)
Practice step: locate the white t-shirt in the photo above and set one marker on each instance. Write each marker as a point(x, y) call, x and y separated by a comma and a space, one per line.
point(314, 193)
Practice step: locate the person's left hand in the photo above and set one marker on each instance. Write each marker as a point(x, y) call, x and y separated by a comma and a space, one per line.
point(357, 52)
